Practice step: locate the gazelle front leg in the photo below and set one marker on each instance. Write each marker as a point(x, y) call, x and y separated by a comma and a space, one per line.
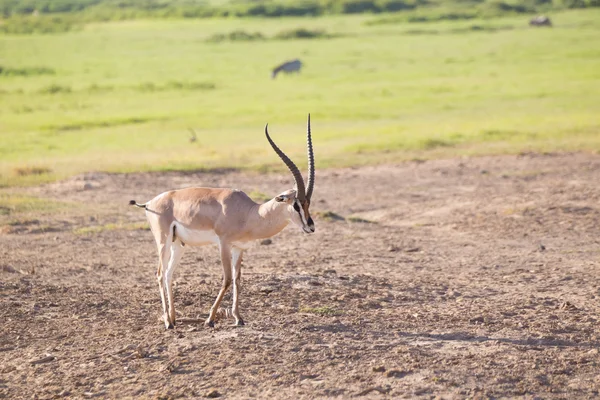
point(237, 273)
point(226, 261)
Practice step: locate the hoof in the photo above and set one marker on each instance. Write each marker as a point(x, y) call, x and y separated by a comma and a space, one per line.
point(240, 322)
point(168, 324)
point(210, 324)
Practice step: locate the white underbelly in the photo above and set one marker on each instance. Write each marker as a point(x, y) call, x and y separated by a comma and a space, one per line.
point(195, 237)
point(242, 245)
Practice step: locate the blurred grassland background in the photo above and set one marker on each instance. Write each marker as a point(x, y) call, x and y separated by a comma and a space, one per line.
point(116, 86)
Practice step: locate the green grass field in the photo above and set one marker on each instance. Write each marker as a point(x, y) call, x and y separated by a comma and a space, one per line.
point(121, 96)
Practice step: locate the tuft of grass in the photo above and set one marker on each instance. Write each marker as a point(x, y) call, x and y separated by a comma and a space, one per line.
point(91, 230)
point(29, 25)
point(13, 204)
point(302, 33)
point(459, 30)
point(286, 34)
point(329, 216)
point(324, 311)
point(360, 220)
point(26, 171)
point(23, 222)
point(25, 71)
point(83, 125)
point(424, 16)
point(432, 143)
point(55, 89)
point(421, 31)
point(496, 134)
point(175, 86)
point(481, 28)
point(235, 36)
point(16, 226)
point(96, 88)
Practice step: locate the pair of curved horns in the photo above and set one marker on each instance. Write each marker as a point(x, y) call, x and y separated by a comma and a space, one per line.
point(303, 194)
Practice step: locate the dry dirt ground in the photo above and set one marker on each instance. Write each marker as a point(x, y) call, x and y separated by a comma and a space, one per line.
point(463, 278)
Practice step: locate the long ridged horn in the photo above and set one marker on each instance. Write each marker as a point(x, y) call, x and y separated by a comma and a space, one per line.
point(311, 163)
point(291, 166)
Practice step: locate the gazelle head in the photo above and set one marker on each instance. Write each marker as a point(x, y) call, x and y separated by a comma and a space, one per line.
point(298, 199)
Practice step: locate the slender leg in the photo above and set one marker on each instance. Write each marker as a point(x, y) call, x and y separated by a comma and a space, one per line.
point(226, 261)
point(176, 253)
point(163, 261)
point(159, 278)
point(237, 273)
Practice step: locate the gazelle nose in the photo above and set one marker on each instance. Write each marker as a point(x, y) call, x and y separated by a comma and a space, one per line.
point(308, 229)
point(311, 224)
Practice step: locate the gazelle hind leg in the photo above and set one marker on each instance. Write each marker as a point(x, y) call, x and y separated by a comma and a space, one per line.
point(163, 236)
point(176, 253)
point(237, 273)
point(159, 278)
point(164, 253)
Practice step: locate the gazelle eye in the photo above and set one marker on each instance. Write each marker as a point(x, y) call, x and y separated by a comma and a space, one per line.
point(296, 207)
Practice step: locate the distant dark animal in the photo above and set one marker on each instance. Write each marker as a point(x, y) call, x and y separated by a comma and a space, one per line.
point(193, 136)
point(540, 20)
point(287, 67)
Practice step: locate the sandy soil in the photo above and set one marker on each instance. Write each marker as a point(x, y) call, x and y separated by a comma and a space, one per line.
point(441, 279)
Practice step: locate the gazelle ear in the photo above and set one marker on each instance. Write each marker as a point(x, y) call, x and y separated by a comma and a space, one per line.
point(287, 196)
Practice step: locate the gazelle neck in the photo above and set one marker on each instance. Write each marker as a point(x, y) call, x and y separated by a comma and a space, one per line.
point(269, 219)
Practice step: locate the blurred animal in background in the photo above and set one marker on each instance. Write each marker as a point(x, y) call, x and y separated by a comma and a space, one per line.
point(193, 136)
point(287, 67)
point(540, 20)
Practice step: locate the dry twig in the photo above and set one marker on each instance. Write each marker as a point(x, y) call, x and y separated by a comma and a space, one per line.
point(42, 360)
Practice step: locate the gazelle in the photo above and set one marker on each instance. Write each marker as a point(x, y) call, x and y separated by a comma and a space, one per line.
point(193, 136)
point(225, 217)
